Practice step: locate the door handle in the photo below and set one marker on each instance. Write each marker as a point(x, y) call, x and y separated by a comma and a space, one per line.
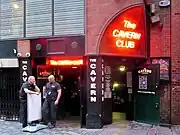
point(157, 105)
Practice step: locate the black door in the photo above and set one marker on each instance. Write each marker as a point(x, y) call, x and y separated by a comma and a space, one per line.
point(146, 84)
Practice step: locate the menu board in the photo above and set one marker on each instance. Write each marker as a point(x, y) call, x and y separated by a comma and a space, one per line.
point(164, 68)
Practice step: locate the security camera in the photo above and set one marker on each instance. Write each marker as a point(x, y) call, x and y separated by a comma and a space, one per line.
point(18, 54)
point(164, 3)
point(28, 54)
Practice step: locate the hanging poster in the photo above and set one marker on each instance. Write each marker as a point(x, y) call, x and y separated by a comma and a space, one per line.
point(164, 68)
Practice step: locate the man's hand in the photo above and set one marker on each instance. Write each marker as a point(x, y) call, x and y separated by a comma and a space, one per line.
point(37, 93)
point(56, 102)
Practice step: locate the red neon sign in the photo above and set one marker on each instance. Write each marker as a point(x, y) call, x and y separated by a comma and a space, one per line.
point(125, 34)
point(125, 39)
point(65, 62)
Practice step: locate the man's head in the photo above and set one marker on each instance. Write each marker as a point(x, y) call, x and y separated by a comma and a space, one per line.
point(31, 80)
point(51, 78)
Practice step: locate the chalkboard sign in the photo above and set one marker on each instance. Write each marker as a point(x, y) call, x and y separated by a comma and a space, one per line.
point(164, 68)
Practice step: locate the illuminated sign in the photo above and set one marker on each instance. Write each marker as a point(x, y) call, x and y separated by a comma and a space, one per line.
point(125, 35)
point(65, 62)
point(125, 39)
point(93, 76)
point(44, 73)
point(145, 71)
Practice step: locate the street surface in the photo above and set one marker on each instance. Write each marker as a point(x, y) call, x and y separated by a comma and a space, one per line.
point(119, 128)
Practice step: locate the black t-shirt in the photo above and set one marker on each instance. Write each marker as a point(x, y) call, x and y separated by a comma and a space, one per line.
point(23, 95)
point(52, 90)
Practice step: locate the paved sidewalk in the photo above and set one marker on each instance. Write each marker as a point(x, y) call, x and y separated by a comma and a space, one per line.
point(119, 128)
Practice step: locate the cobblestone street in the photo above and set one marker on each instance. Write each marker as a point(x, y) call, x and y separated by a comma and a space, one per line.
point(133, 128)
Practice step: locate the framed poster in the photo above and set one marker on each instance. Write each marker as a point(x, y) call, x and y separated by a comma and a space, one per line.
point(164, 67)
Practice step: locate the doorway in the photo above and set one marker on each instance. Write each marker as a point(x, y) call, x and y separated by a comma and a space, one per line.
point(71, 79)
point(147, 96)
point(69, 105)
point(122, 99)
point(120, 96)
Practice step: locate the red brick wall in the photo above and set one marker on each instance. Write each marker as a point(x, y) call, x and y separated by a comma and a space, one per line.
point(175, 57)
point(98, 13)
point(160, 33)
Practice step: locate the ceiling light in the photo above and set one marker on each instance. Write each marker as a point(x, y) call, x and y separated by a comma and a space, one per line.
point(15, 6)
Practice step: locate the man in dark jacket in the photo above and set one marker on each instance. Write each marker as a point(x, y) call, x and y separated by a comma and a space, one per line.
point(52, 96)
point(29, 87)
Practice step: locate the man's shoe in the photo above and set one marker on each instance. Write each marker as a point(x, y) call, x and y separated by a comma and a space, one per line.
point(51, 126)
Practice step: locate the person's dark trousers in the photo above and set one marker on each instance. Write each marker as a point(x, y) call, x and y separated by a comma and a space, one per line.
point(49, 112)
point(23, 113)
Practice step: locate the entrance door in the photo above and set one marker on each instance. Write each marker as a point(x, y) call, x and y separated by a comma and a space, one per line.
point(147, 99)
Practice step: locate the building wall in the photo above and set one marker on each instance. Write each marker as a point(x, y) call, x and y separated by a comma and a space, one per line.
point(98, 13)
point(160, 46)
point(160, 36)
point(38, 18)
point(175, 57)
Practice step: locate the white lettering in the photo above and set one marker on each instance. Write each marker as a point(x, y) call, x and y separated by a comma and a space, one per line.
point(24, 67)
point(93, 99)
point(93, 85)
point(93, 92)
point(93, 66)
point(93, 72)
point(24, 71)
point(92, 60)
point(92, 75)
point(93, 79)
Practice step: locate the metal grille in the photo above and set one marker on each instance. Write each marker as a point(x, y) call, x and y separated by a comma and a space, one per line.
point(9, 96)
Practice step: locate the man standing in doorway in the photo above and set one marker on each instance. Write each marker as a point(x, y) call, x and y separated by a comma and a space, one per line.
point(28, 87)
point(52, 96)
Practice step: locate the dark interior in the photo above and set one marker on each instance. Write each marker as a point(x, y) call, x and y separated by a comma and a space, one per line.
point(122, 101)
point(69, 105)
point(69, 78)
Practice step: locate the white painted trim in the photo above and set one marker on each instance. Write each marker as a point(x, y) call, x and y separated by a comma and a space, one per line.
point(6, 63)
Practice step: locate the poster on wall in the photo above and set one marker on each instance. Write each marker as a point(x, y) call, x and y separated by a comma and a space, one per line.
point(164, 68)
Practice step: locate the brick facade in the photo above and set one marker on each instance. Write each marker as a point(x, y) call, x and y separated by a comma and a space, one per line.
point(160, 44)
point(175, 57)
point(99, 12)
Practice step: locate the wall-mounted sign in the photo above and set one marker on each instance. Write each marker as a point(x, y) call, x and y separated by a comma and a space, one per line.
point(93, 77)
point(108, 79)
point(64, 62)
point(145, 71)
point(125, 39)
point(164, 68)
point(43, 72)
point(125, 34)
point(25, 69)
